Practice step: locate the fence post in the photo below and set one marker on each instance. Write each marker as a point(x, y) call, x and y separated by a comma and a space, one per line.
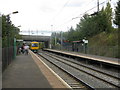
point(14, 48)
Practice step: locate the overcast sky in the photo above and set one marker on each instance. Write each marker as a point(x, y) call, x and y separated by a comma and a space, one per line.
point(48, 15)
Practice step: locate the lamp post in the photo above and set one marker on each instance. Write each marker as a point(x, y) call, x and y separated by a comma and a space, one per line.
point(8, 23)
point(8, 38)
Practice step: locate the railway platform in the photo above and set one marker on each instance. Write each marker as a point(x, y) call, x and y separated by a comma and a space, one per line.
point(102, 59)
point(25, 72)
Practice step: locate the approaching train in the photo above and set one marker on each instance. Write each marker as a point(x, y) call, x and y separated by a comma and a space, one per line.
point(35, 46)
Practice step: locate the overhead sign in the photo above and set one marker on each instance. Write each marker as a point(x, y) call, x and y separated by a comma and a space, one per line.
point(86, 41)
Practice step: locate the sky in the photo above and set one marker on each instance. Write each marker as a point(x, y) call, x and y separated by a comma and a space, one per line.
point(44, 16)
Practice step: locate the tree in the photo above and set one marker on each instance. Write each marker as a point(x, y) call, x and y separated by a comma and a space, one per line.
point(91, 25)
point(88, 26)
point(117, 14)
point(117, 22)
point(71, 35)
point(107, 13)
point(9, 32)
point(96, 23)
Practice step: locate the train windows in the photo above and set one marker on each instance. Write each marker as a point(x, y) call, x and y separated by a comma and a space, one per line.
point(34, 45)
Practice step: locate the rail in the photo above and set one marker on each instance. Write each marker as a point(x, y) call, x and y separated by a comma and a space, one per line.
point(73, 70)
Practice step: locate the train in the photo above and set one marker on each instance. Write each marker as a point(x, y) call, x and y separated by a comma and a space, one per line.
point(35, 46)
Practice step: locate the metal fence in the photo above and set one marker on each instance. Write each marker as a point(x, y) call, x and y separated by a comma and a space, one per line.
point(108, 51)
point(7, 56)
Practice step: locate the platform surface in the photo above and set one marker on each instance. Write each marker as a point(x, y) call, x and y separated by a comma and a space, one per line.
point(115, 61)
point(24, 73)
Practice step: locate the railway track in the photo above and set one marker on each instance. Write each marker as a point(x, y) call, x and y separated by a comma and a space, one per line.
point(114, 74)
point(91, 77)
point(70, 80)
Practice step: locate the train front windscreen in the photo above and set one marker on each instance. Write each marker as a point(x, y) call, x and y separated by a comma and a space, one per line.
point(34, 45)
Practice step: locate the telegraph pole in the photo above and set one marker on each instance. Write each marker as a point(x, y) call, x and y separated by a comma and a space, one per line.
point(98, 5)
point(29, 33)
point(51, 37)
point(55, 38)
point(61, 40)
point(37, 34)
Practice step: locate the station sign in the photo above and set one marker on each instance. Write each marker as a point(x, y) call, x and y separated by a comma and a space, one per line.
point(85, 41)
point(19, 40)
